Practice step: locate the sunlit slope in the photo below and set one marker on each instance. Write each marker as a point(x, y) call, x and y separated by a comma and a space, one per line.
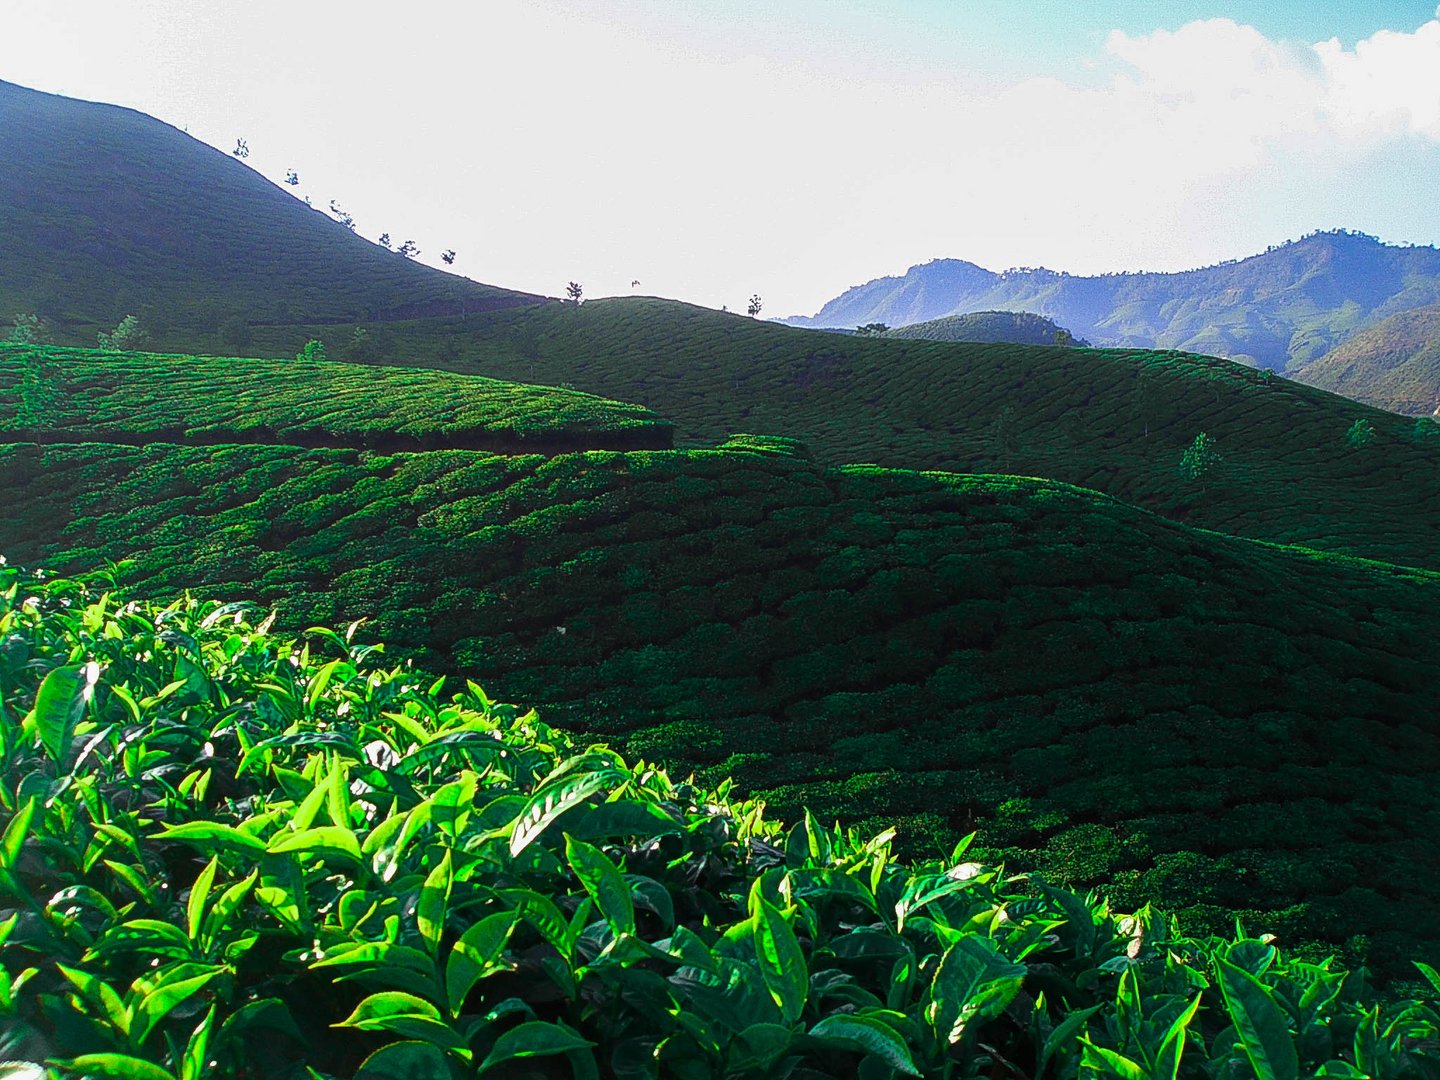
point(1394, 364)
point(1256, 724)
point(106, 212)
point(1015, 327)
point(1113, 420)
point(93, 395)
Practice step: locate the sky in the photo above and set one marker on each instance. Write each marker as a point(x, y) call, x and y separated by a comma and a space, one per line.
point(708, 150)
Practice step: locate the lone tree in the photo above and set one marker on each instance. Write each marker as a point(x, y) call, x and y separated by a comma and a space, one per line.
point(1361, 433)
point(129, 336)
point(341, 216)
point(1199, 459)
point(384, 240)
point(755, 305)
point(242, 149)
point(448, 256)
point(314, 350)
point(292, 177)
point(870, 328)
point(409, 249)
point(31, 330)
point(574, 292)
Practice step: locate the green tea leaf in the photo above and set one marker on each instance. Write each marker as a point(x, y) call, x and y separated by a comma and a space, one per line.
point(604, 882)
point(782, 963)
point(60, 703)
point(410, 1060)
point(867, 1035)
point(405, 1014)
point(476, 954)
point(534, 1038)
point(431, 905)
point(116, 1067)
point(327, 841)
point(1260, 1022)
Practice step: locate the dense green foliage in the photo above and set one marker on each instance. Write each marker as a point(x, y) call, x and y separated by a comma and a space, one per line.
point(108, 213)
point(1015, 327)
point(138, 397)
point(227, 853)
point(1281, 309)
point(1394, 364)
point(1221, 725)
point(1112, 420)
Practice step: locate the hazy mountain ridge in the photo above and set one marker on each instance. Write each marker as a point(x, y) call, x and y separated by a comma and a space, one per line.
point(1394, 364)
point(1281, 309)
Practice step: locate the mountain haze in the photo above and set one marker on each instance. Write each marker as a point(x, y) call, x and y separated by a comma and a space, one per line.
point(1394, 364)
point(1280, 310)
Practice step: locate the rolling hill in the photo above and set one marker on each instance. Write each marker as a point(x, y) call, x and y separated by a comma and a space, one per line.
point(1114, 420)
point(988, 327)
point(1393, 365)
point(749, 610)
point(106, 212)
point(1281, 309)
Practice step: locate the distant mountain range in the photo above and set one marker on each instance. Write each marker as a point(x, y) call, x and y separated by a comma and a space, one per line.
point(1283, 309)
point(1394, 364)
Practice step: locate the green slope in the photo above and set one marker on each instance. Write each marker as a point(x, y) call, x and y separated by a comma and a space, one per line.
point(1212, 722)
point(106, 212)
point(1114, 420)
point(1015, 327)
point(1393, 365)
point(1280, 309)
point(143, 397)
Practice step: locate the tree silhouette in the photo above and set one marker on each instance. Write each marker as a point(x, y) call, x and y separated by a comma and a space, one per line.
point(242, 149)
point(448, 257)
point(573, 292)
point(755, 305)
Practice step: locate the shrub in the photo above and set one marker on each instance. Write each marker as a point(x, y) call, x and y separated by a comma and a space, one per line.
point(128, 336)
point(314, 349)
point(1361, 433)
point(1199, 459)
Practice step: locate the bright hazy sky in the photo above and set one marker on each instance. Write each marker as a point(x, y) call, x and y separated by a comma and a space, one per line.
point(710, 149)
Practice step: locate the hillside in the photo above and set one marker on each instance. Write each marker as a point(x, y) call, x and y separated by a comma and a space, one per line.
point(749, 610)
point(988, 327)
point(1393, 365)
point(106, 212)
point(1281, 309)
point(91, 395)
point(1110, 419)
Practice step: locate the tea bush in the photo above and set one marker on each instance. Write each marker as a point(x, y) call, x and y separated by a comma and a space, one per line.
point(226, 852)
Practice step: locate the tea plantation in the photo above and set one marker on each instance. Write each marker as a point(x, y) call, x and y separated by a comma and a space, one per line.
point(1109, 419)
point(90, 394)
point(227, 853)
point(1216, 724)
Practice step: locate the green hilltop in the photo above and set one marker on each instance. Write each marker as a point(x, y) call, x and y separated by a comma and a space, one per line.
point(108, 212)
point(1015, 327)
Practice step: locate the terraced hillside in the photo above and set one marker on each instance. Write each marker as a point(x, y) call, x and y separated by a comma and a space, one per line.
point(1393, 365)
point(106, 212)
point(1015, 327)
point(96, 396)
point(1208, 722)
point(1114, 420)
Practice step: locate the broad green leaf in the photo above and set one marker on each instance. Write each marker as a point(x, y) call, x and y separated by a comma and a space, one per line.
point(1167, 1061)
point(604, 882)
point(60, 703)
point(1430, 974)
point(318, 682)
point(101, 997)
point(758, 1047)
point(782, 963)
point(410, 1060)
point(433, 902)
point(116, 1067)
point(199, 893)
point(404, 1014)
point(1065, 1033)
point(973, 982)
point(476, 954)
point(1100, 1062)
point(548, 804)
point(197, 1050)
point(170, 988)
point(327, 841)
point(1259, 1021)
point(867, 1035)
point(534, 1038)
point(16, 833)
point(209, 834)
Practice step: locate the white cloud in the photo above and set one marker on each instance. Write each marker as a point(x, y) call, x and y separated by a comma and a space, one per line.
point(1390, 81)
